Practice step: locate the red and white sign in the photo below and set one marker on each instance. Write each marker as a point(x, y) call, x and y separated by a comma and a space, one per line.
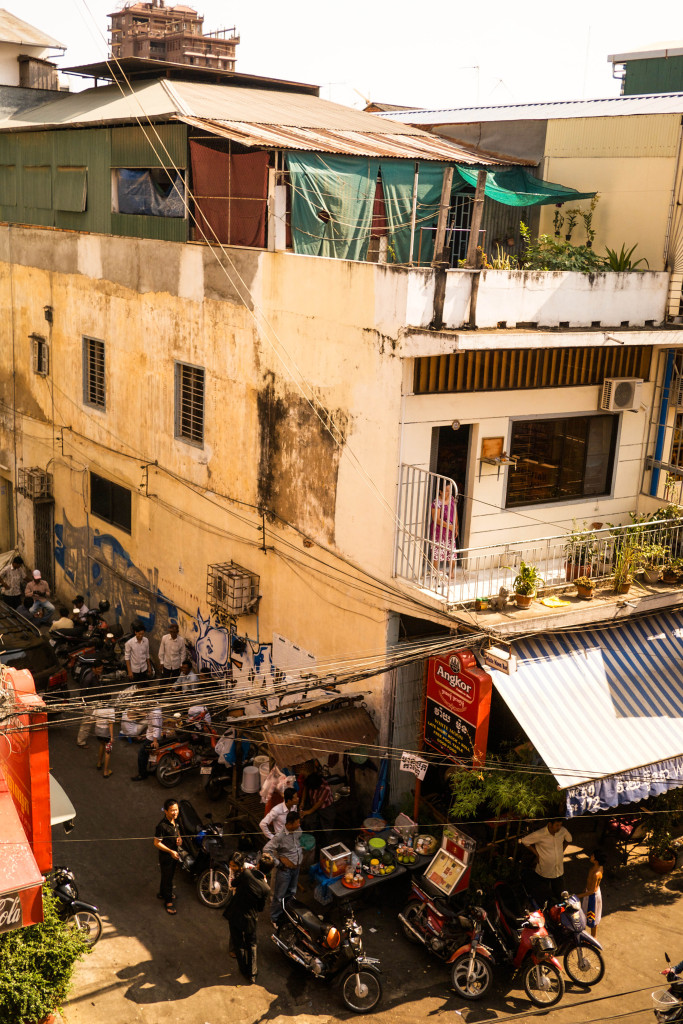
point(458, 705)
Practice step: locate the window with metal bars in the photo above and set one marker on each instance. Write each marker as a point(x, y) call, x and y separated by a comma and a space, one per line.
point(93, 373)
point(41, 358)
point(189, 403)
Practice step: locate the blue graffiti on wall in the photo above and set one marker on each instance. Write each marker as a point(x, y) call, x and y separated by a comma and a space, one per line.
point(98, 565)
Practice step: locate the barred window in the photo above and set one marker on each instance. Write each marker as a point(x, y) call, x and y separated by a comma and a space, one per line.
point(41, 358)
point(189, 403)
point(93, 373)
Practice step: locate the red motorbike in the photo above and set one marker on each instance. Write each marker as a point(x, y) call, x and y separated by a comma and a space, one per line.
point(511, 936)
point(430, 919)
point(194, 748)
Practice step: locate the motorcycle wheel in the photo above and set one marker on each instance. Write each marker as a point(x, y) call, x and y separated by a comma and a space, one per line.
point(169, 771)
point(480, 981)
point(214, 789)
point(218, 896)
point(543, 984)
point(411, 911)
point(371, 990)
point(87, 923)
point(584, 965)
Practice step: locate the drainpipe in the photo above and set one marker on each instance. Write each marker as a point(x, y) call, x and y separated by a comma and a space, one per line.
point(663, 414)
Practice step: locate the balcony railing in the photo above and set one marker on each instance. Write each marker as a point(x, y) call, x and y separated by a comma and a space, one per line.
point(463, 574)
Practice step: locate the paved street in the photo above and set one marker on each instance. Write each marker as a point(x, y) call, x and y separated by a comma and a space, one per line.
point(147, 959)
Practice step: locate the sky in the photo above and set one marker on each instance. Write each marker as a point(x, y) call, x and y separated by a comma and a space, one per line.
point(429, 53)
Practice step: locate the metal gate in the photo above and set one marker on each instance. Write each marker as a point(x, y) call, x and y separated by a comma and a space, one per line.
point(43, 538)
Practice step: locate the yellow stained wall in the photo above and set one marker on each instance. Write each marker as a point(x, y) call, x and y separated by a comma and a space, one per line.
point(630, 161)
point(299, 387)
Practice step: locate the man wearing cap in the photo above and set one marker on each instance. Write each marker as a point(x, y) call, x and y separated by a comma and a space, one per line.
point(172, 651)
point(39, 590)
point(12, 580)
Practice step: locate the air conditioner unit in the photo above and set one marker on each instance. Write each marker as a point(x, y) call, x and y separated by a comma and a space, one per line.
point(621, 394)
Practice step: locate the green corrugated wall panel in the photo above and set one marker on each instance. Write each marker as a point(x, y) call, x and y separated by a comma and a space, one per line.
point(167, 229)
point(38, 187)
point(71, 185)
point(8, 185)
point(653, 74)
point(159, 145)
point(89, 148)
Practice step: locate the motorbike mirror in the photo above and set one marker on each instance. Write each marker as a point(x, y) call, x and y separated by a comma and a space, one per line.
point(667, 958)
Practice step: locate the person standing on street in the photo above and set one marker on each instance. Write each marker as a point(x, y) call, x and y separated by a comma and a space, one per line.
point(168, 842)
point(155, 723)
point(39, 590)
point(12, 580)
point(274, 821)
point(250, 894)
point(285, 847)
point(138, 665)
point(172, 651)
point(90, 680)
point(547, 845)
point(104, 731)
point(591, 897)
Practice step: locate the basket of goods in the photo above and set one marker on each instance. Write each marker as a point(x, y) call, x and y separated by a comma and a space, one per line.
point(426, 844)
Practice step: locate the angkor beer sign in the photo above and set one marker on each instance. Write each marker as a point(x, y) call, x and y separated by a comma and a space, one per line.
point(458, 706)
point(10, 911)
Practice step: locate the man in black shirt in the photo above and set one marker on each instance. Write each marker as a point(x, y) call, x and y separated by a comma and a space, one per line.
point(250, 894)
point(167, 841)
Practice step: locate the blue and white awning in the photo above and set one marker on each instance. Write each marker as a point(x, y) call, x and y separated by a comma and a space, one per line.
point(604, 708)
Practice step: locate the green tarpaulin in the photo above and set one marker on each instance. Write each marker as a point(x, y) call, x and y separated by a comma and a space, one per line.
point(332, 199)
point(397, 180)
point(516, 186)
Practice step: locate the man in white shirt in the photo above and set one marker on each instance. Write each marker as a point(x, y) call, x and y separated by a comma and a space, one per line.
point(80, 608)
point(275, 819)
point(138, 665)
point(155, 723)
point(187, 681)
point(547, 845)
point(172, 651)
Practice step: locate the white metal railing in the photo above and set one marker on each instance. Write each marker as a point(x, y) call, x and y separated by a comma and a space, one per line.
point(427, 534)
point(463, 574)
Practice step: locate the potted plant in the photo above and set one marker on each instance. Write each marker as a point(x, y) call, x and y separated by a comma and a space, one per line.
point(659, 842)
point(652, 559)
point(585, 587)
point(525, 583)
point(579, 548)
point(672, 571)
point(625, 565)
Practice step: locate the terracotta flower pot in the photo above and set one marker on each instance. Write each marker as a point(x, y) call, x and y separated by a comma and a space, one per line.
point(652, 575)
point(623, 588)
point(524, 600)
point(670, 576)
point(575, 569)
point(660, 865)
point(586, 593)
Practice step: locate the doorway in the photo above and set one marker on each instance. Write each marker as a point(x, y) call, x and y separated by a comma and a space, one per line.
point(450, 457)
point(6, 515)
point(43, 538)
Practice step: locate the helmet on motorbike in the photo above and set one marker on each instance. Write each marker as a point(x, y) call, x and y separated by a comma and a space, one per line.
point(332, 938)
point(104, 606)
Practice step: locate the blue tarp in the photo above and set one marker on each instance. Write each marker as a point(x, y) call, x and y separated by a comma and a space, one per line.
point(138, 194)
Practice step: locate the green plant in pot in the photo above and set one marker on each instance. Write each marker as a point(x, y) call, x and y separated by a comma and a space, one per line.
point(526, 583)
point(585, 587)
point(626, 564)
point(672, 571)
point(580, 547)
point(652, 559)
point(660, 845)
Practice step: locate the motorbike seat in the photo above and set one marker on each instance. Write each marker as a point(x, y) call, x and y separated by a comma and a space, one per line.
point(511, 906)
point(315, 927)
point(190, 821)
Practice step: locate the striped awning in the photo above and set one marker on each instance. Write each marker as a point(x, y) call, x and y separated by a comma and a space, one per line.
point(604, 708)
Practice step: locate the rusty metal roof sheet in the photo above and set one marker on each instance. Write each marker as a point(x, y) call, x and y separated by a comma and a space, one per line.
point(322, 732)
point(252, 117)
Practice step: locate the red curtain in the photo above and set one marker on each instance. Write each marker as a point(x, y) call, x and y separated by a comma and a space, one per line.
point(230, 192)
point(379, 212)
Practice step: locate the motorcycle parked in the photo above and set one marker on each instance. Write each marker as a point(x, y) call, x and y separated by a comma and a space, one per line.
point(176, 757)
point(510, 936)
point(110, 653)
point(432, 921)
point(668, 1002)
point(582, 954)
point(82, 916)
point(327, 952)
point(208, 854)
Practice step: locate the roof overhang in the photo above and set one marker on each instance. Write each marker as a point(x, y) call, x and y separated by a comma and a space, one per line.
point(320, 733)
point(673, 49)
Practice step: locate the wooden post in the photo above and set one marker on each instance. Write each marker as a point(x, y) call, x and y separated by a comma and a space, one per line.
point(439, 256)
point(413, 216)
point(475, 223)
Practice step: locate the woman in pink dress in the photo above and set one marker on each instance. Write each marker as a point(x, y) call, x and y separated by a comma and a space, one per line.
point(443, 532)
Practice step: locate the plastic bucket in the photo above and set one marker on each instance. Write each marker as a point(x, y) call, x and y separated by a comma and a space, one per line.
point(307, 844)
point(250, 780)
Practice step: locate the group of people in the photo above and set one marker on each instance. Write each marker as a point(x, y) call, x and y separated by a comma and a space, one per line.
point(547, 846)
point(29, 595)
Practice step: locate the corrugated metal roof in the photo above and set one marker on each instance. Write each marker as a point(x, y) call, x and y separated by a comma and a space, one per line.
point(254, 117)
point(674, 49)
point(614, 106)
point(621, 688)
point(14, 30)
point(343, 729)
